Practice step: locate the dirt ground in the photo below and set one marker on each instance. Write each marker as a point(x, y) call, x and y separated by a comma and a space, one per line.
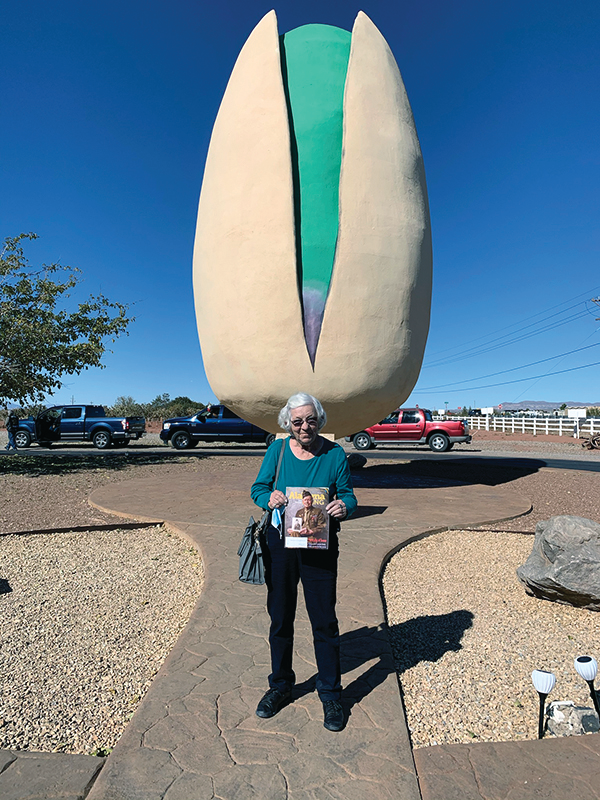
point(52, 492)
point(494, 436)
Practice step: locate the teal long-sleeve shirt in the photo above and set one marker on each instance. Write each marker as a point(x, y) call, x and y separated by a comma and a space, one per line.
point(328, 468)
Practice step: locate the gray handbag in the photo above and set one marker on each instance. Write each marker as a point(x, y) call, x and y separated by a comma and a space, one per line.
point(252, 567)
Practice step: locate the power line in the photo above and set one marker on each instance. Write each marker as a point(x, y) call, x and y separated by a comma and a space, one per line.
point(479, 351)
point(518, 380)
point(528, 388)
point(533, 316)
point(514, 369)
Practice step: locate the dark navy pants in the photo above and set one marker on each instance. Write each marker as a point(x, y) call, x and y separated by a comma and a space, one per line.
point(317, 569)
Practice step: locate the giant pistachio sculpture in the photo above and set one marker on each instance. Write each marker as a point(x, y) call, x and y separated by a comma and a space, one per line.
point(312, 260)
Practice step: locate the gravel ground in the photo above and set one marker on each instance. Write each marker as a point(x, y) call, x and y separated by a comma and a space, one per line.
point(466, 636)
point(465, 650)
point(87, 619)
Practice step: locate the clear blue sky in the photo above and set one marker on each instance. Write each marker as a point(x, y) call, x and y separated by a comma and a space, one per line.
point(107, 114)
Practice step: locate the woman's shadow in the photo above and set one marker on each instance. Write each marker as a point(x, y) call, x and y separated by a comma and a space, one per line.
point(393, 650)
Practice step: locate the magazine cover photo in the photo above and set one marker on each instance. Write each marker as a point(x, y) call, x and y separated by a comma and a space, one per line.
point(306, 521)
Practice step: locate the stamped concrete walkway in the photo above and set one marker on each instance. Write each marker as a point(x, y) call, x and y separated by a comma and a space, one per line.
point(196, 735)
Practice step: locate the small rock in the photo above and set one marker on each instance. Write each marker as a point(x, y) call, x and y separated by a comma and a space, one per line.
point(564, 718)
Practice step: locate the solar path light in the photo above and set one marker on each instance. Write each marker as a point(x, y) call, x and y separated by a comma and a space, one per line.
point(543, 682)
point(587, 667)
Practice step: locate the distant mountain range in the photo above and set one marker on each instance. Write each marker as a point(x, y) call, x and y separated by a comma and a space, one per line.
point(542, 405)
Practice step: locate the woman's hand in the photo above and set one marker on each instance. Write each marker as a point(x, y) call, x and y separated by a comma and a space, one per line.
point(277, 500)
point(337, 509)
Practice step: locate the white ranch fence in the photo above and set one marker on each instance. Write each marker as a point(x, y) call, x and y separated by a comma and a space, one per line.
point(559, 426)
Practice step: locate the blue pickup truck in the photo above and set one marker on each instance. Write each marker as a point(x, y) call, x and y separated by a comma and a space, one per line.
point(79, 423)
point(215, 423)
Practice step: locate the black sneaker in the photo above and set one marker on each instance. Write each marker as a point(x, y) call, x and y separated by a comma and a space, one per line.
point(271, 703)
point(333, 715)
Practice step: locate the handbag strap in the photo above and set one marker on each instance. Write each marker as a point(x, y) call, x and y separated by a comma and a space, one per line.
point(279, 463)
point(266, 517)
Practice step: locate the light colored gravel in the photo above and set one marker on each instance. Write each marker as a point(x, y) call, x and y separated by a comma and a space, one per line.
point(87, 619)
point(466, 637)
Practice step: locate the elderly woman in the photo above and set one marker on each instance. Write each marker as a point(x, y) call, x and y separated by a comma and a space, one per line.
point(308, 460)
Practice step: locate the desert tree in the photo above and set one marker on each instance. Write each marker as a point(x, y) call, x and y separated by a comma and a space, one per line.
point(44, 336)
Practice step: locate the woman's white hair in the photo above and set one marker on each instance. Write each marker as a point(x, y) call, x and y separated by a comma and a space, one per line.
point(296, 400)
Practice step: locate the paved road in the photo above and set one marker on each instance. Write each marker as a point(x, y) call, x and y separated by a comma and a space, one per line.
point(588, 461)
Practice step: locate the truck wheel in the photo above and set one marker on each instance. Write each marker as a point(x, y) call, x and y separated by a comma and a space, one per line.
point(269, 439)
point(439, 442)
point(181, 440)
point(22, 439)
point(362, 441)
point(101, 440)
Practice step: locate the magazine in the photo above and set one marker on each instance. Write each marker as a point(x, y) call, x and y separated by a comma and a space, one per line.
point(306, 523)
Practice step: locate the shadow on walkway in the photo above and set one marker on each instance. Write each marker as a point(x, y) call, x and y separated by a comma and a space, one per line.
point(429, 474)
point(369, 511)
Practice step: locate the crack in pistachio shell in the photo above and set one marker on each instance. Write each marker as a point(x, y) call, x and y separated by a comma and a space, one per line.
point(314, 307)
point(314, 60)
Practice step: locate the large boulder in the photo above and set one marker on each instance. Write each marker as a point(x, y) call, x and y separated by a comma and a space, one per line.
point(564, 564)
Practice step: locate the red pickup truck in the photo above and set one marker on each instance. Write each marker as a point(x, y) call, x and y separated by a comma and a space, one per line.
point(413, 426)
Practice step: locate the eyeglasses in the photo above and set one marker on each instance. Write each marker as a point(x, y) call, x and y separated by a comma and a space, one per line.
point(298, 423)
